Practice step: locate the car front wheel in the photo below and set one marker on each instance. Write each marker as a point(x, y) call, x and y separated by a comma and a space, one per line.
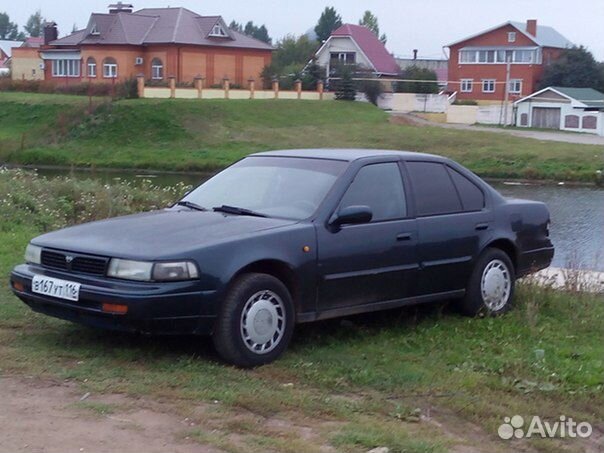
point(491, 286)
point(256, 321)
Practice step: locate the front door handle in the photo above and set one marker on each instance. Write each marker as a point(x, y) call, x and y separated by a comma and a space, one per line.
point(482, 226)
point(403, 236)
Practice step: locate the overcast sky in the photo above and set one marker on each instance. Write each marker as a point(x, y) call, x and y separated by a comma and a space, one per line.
point(426, 25)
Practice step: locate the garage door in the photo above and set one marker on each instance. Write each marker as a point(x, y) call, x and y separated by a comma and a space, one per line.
point(546, 118)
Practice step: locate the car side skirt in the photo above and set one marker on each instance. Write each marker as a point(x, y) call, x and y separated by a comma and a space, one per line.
point(377, 306)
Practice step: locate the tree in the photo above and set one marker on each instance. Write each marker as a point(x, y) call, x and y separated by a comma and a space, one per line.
point(254, 31)
point(294, 50)
point(328, 22)
point(234, 25)
point(371, 22)
point(417, 73)
point(35, 25)
point(576, 68)
point(8, 30)
point(601, 68)
point(345, 88)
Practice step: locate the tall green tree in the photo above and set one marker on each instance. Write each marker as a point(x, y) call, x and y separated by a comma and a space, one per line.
point(35, 25)
point(8, 30)
point(328, 22)
point(370, 21)
point(294, 50)
point(234, 25)
point(258, 32)
point(575, 68)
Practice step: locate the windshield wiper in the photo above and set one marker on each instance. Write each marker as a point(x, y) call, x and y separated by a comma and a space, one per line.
point(190, 205)
point(237, 211)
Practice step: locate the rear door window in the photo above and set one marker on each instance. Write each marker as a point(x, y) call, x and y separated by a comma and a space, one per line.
point(433, 189)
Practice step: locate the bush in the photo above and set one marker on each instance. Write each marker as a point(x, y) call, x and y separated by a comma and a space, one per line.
point(373, 90)
point(417, 73)
point(126, 89)
point(465, 102)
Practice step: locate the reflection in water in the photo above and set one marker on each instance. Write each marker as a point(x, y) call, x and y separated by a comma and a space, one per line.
point(577, 213)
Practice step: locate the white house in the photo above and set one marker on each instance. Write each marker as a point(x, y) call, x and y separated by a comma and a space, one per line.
point(567, 109)
point(355, 44)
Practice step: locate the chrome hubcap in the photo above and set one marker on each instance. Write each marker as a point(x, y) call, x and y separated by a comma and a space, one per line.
point(496, 285)
point(263, 322)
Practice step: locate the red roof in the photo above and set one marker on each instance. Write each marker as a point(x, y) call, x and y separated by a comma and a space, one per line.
point(33, 42)
point(371, 46)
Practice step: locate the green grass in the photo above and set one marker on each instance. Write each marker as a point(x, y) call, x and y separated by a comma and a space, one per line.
point(209, 134)
point(358, 385)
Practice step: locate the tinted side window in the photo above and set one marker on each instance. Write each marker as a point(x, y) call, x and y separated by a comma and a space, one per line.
point(380, 187)
point(434, 191)
point(472, 197)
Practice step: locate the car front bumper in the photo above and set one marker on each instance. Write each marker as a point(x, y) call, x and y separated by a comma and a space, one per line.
point(176, 308)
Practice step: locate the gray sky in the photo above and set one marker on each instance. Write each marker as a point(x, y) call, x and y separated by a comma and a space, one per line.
point(423, 24)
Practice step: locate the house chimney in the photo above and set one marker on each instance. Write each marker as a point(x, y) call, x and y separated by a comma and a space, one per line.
point(415, 54)
point(50, 32)
point(120, 7)
point(531, 27)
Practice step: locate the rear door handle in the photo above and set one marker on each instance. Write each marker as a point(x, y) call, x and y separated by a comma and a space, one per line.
point(482, 226)
point(403, 236)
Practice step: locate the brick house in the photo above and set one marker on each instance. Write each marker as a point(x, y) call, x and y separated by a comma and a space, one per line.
point(478, 63)
point(156, 42)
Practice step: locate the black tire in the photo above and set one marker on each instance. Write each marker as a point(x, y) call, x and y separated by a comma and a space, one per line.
point(230, 336)
point(474, 302)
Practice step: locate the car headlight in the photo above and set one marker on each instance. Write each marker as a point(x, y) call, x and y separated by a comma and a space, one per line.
point(147, 271)
point(130, 270)
point(33, 254)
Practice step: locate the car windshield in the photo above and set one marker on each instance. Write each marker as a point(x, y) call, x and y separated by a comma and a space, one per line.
point(284, 187)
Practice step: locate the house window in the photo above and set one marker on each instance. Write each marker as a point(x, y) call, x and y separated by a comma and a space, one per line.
point(110, 68)
point(523, 56)
point(490, 56)
point(94, 30)
point(66, 68)
point(512, 36)
point(217, 30)
point(467, 56)
point(466, 85)
point(91, 67)
point(337, 58)
point(488, 85)
point(515, 86)
point(157, 69)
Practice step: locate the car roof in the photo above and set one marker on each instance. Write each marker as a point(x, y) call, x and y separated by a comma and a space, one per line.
point(346, 154)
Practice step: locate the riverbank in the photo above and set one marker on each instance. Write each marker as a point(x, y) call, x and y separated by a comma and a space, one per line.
point(184, 135)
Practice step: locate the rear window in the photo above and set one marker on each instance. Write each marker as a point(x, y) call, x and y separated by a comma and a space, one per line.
point(472, 197)
point(433, 189)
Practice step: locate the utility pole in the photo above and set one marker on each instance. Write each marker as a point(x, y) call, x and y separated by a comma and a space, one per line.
point(507, 90)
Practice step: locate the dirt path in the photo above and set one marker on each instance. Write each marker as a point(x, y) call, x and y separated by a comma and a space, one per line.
point(48, 417)
point(555, 136)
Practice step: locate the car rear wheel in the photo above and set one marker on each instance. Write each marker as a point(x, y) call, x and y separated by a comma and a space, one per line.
point(256, 321)
point(491, 286)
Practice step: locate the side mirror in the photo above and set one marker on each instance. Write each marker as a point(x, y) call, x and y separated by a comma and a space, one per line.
point(351, 215)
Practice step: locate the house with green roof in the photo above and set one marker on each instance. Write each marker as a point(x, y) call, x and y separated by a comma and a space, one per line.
point(563, 108)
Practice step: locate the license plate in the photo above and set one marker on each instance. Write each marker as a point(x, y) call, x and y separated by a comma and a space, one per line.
point(54, 287)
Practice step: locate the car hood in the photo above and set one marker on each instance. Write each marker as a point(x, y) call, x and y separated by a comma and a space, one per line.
point(156, 235)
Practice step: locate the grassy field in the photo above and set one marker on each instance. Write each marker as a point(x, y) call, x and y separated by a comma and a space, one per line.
point(419, 380)
point(193, 135)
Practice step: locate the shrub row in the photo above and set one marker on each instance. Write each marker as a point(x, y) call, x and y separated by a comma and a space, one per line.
point(126, 89)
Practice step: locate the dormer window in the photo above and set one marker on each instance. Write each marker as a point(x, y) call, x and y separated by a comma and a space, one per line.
point(94, 30)
point(512, 36)
point(217, 30)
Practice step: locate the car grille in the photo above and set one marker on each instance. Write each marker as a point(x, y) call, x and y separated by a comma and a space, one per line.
point(76, 263)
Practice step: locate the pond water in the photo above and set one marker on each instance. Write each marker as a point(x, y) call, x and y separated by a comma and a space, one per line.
point(577, 213)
